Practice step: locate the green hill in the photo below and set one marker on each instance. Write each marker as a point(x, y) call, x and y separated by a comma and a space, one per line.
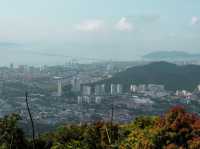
point(171, 75)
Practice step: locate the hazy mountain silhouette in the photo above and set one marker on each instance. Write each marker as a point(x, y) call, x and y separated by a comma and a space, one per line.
point(171, 56)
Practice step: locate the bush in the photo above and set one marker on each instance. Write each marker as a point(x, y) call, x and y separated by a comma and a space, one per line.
point(177, 129)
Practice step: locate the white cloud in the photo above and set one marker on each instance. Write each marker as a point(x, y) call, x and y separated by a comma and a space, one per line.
point(100, 25)
point(91, 26)
point(124, 25)
point(195, 20)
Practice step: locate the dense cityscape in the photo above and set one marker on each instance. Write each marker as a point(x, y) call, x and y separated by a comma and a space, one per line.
point(74, 93)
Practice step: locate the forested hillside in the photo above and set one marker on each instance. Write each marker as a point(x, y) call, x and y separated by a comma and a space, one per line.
point(172, 76)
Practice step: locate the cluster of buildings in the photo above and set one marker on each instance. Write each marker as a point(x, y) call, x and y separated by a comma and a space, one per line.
point(188, 94)
point(183, 94)
point(152, 90)
point(97, 92)
point(101, 90)
point(142, 88)
point(91, 100)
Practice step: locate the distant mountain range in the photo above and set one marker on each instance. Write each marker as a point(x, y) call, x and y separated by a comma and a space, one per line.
point(171, 56)
point(171, 75)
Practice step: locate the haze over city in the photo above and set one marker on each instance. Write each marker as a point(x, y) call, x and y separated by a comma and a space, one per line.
point(99, 29)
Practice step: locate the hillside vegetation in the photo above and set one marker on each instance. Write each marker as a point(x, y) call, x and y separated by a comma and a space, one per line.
point(176, 129)
point(171, 75)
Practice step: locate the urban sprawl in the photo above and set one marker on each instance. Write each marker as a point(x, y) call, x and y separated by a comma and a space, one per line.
point(75, 93)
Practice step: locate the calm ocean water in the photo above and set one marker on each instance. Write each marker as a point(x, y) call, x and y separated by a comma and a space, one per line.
point(36, 57)
point(29, 59)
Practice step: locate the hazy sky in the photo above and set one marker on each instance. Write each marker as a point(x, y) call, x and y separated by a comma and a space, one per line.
point(110, 29)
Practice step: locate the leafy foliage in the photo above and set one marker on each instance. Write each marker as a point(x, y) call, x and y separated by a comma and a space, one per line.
point(176, 129)
point(10, 135)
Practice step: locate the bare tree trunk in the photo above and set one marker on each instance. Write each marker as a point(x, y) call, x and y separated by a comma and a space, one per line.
point(108, 136)
point(11, 142)
point(32, 123)
point(111, 121)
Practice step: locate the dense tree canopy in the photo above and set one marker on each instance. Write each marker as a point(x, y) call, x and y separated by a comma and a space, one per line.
point(176, 129)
